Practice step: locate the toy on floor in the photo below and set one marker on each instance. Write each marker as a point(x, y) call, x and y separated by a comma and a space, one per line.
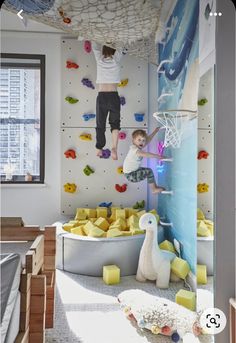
point(88, 170)
point(120, 170)
point(202, 102)
point(186, 299)
point(122, 135)
point(123, 83)
point(202, 188)
point(70, 187)
point(153, 263)
point(121, 188)
point(106, 153)
point(86, 137)
point(88, 83)
point(87, 46)
point(70, 153)
point(139, 117)
point(202, 155)
point(105, 204)
point(71, 100)
point(71, 65)
point(111, 274)
point(139, 205)
point(122, 100)
point(88, 116)
point(159, 315)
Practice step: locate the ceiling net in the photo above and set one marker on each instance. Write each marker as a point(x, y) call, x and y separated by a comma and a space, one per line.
point(130, 24)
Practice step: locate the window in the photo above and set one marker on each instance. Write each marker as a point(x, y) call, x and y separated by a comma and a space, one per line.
point(22, 118)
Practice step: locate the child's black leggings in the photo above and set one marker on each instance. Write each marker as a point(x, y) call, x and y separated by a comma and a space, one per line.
point(106, 102)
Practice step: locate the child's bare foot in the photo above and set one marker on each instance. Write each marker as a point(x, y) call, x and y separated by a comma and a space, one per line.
point(158, 190)
point(99, 152)
point(114, 154)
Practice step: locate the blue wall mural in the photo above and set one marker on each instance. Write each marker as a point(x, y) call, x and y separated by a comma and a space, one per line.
point(180, 47)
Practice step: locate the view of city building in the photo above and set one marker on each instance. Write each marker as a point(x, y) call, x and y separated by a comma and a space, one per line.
point(20, 122)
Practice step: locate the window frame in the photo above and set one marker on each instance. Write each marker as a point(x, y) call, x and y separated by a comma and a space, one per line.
point(41, 65)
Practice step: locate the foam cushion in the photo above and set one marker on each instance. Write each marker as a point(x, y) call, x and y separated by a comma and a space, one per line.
point(102, 212)
point(167, 245)
point(180, 267)
point(140, 213)
point(201, 274)
point(200, 214)
point(78, 230)
point(95, 232)
point(120, 222)
point(102, 223)
point(111, 274)
point(186, 299)
point(91, 212)
point(68, 227)
point(80, 214)
point(111, 233)
point(120, 214)
point(89, 225)
point(202, 229)
point(133, 221)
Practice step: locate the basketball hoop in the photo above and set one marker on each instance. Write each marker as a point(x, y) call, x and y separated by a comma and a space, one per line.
point(172, 121)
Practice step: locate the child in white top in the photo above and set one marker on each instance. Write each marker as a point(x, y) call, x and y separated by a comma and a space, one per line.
point(108, 100)
point(132, 164)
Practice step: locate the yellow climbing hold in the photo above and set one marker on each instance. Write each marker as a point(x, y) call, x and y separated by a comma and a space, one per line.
point(120, 170)
point(202, 188)
point(86, 137)
point(70, 187)
point(123, 83)
point(155, 329)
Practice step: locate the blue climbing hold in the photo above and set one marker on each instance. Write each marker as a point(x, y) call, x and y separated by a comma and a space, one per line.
point(139, 117)
point(122, 100)
point(175, 337)
point(88, 116)
point(105, 204)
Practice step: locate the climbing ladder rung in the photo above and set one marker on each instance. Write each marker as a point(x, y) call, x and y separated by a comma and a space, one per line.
point(167, 160)
point(166, 224)
point(167, 192)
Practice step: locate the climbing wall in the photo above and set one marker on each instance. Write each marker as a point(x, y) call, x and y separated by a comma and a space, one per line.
point(205, 143)
point(99, 186)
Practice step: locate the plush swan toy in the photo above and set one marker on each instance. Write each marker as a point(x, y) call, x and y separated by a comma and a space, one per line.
point(154, 264)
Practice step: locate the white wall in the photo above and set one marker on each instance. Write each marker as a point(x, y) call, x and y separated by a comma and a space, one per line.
point(39, 204)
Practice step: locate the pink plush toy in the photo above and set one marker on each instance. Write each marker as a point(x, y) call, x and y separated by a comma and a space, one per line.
point(87, 46)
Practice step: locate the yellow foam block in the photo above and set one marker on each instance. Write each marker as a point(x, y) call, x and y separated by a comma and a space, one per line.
point(82, 222)
point(140, 213)
point(89, 225)
point(80, 214)
point(111, 274)
point(129, 211)
point(78, 231)
point(202, 229)
point(113, 212)
point(210, 225)
point(102, 223)
point(73, 222)
point(180, 267)
point(120, 214)
point(68, 227)
point(132, 220)
point(121, 222)
point(115, 226)
point(95, 232)
point(201, 274)
point(153, 211)
point(186, 299)
point(102, 212)
point(91, 212)
point(126, 233)
point(167, 245)
point(135, 231)
point(111, 233)
point(93, 220)
point(200, 214)
point(110, 220)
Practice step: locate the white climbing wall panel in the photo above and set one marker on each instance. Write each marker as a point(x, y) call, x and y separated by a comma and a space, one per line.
point(205, 142)
point(99, 186)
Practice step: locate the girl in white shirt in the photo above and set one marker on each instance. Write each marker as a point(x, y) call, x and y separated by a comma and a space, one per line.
point(108, 100)
point(132, 164)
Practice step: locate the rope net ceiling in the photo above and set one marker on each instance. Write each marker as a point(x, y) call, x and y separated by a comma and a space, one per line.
point(119, 23)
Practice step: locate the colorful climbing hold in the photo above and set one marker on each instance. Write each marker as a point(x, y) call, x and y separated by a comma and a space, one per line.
point(123, 83)
point(88, 83)
point(86, 137)
point(202, 154)
point(166, 330)
point(175, 337)
point(131, 317)
point(70, 153)
point(70, 187)
point(88, 170)
point(155, 329)
point(105, 204)
point(139, 205)
point(120, 170)
point(141, 323)
point(122, 100)
point(67, 20)
point(87, 46)
point(139, 117)
point(71, 100)
point(71, 65)
point(121, 188)
point(106, 153)
point(202, 102)
point(122, 135)
point(202, 188)
point(88, 116)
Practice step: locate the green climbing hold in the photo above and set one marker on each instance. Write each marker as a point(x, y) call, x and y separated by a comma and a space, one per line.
point(202, 102)
point(88, 170)
point(139, 205)
point(71, 100)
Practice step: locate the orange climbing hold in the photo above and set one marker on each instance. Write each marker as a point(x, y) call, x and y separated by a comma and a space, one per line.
point(70, 153)
point(121, 188)
point(71, 65)
point(202, 154)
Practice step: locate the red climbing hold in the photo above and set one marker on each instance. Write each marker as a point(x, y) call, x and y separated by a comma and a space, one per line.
point(121, 188)
point(67, 20)
point(70, 154)
point(71, 65)
point(87, 46)
point(202, 154)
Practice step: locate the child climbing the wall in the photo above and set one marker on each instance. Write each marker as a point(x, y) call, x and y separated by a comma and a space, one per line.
point(132, 164)
point(108, 100)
